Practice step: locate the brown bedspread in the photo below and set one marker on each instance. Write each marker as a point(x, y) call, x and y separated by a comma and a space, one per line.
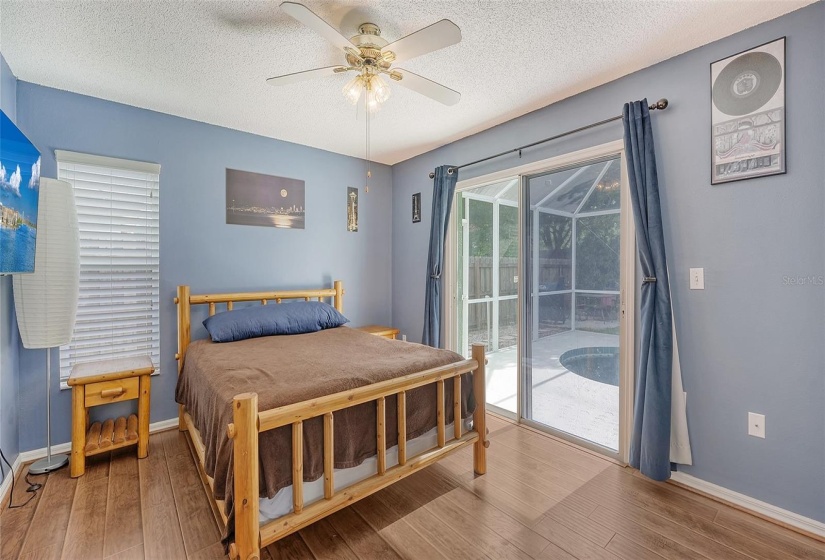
point(292, 368)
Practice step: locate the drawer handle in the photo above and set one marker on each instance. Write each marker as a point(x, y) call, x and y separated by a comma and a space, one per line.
point(112, 393)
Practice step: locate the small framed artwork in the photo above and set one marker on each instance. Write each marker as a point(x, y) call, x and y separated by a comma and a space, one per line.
point(255, 199)
point(352, 209)
point(416, 207)
point(748, 114)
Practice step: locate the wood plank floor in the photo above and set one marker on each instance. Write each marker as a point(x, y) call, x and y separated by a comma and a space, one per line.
point(540, 499)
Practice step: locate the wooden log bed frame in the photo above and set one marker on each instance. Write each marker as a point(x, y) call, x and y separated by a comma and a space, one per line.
point(248, 422)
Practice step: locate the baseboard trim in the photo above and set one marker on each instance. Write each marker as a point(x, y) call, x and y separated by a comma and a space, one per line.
point(66, 447)
point(4, 487)
point(788, 519)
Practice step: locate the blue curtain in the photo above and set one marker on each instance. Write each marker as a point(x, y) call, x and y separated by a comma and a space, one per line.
point(443, 190)
point(650, 444)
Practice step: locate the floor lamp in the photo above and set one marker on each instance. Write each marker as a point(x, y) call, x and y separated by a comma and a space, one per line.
point(46, 300)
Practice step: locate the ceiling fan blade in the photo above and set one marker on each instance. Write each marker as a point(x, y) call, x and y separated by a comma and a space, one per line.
point(436, 36)
point(431, 89)
point(295, 77)
point(306, 16)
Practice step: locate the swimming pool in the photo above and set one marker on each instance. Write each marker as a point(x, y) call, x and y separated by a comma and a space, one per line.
point(597, 363)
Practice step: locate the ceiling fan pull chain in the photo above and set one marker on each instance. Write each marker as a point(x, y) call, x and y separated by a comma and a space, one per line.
point(367, 111)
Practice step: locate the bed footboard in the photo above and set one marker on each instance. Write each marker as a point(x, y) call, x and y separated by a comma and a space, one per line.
point(250, 537)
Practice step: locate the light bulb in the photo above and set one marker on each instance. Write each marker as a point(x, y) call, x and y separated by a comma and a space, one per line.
point(373, 104)
point(381, 89)
point(352, 91)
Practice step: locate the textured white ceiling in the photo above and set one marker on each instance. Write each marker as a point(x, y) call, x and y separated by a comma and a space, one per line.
point(207, 61)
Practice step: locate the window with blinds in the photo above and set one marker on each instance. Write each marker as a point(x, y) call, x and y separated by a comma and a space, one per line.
point(117, 209)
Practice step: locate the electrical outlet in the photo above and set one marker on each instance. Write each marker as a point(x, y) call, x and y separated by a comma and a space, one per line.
point(404, 337)
point(697, 278)
point(756, 425)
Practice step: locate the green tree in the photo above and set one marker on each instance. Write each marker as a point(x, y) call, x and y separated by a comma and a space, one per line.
point(597, 252)
point(481, 228)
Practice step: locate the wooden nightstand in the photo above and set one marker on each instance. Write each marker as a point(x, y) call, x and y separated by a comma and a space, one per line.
point(107, 382)
point(378, 330)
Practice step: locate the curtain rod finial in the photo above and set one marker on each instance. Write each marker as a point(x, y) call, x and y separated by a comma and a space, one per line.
point(660, 105)
point(432, 175)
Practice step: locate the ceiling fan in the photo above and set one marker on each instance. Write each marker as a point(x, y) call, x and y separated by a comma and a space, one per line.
point(371, 56)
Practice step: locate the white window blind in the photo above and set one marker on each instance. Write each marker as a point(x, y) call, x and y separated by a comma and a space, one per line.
point(117, 210)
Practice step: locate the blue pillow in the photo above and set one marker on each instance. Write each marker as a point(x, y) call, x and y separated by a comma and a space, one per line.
point(267, 320)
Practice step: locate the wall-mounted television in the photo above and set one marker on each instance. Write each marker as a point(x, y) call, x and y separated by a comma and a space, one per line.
point(19, 191)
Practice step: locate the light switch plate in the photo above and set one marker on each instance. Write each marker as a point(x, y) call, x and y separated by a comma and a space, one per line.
point(756, 425)
point(697, 278)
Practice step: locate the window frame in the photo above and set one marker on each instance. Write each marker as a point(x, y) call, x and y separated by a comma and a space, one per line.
point(111, 166)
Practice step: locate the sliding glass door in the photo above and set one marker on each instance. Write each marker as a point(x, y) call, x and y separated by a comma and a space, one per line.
point(572, 306)
point(540, 263)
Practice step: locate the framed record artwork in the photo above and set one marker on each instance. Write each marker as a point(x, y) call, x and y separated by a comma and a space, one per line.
point(748, 114)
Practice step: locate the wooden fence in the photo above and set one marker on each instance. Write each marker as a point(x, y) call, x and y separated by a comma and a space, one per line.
point(554, 274)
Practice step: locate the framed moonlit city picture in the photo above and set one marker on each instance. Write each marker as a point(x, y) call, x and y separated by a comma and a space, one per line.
point(254, 199)
point(748, 114)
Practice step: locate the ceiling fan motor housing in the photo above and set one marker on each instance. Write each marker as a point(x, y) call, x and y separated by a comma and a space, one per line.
point(370, 43)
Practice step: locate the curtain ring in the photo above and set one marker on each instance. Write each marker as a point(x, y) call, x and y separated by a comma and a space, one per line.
point(649, 280)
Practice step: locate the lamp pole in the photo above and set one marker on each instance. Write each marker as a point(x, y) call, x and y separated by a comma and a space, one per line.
point(50, 462)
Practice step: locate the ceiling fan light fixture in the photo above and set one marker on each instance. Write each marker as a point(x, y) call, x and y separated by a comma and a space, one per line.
point(377, 91)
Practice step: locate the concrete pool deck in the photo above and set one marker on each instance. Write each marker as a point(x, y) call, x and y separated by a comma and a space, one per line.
point(561, 399)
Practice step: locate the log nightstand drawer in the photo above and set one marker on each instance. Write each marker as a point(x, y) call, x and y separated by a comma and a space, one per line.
point(107, 382)
point(106, 392)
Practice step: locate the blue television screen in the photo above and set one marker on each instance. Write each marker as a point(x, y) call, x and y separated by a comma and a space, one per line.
point(19, 190)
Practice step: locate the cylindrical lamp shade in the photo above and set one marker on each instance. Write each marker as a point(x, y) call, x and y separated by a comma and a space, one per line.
point(46, 300)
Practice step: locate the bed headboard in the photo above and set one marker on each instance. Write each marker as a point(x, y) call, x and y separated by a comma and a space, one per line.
point(185, 300)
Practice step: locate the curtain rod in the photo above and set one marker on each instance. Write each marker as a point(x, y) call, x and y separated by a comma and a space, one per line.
point(661, 105)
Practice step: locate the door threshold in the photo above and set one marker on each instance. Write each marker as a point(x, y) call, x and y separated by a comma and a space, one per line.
point(555, 438)
point(502, 413)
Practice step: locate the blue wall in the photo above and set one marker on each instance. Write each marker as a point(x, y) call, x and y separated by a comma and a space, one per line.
point(196, 246)
point(749, 341)
point(8, 322)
